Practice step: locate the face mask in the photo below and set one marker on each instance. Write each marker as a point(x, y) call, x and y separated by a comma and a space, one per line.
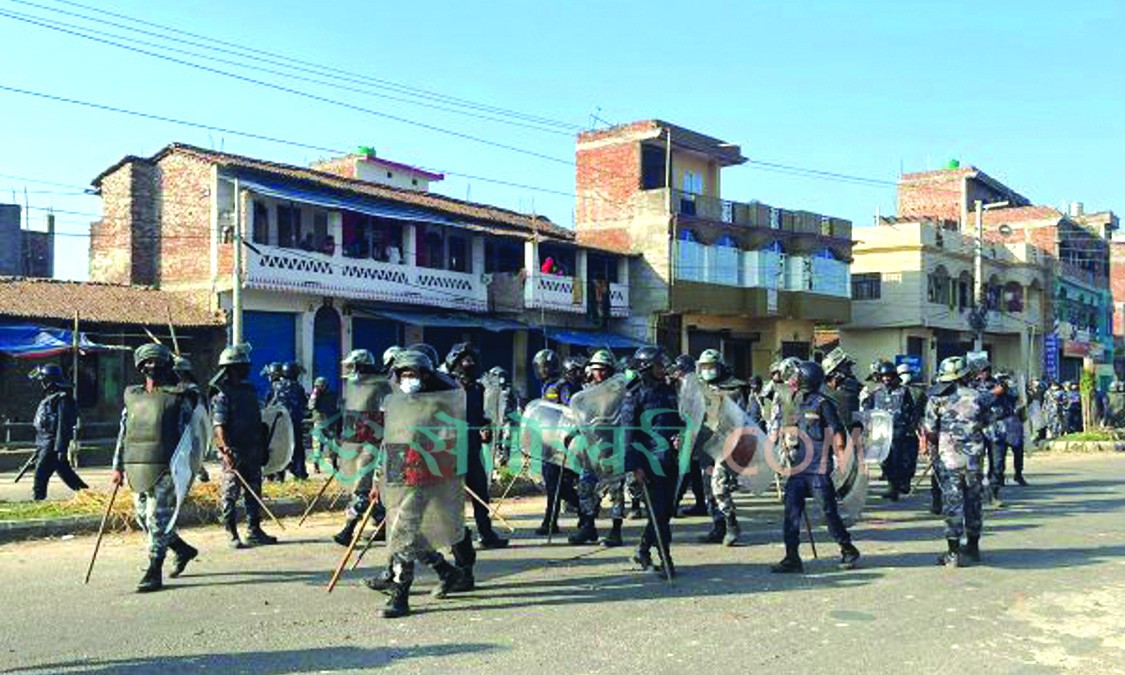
point(410, 385)
point(708, 373)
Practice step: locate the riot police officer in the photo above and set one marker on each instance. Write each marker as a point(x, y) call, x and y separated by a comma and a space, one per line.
point(152, 422)
point(653, 426)
point(237, 420)
point(955, 415)
point(288, 393)
point(808, 451)
point(462, 363)
point(54, 430)
point(721, 482)
point(365, 389)
point(556, 479)
point(890, 396)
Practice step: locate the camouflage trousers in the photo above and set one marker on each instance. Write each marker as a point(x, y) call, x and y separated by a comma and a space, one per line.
point(361, 479)
point(323, 436)
point(723, 485)
point(961, 493)
point(230, 489)
point(154, 510)
point(591, 492)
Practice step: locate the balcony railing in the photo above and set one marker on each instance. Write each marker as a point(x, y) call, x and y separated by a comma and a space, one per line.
point(757, 214)
point(283, 269)
point(830, 277)
point(558, 294)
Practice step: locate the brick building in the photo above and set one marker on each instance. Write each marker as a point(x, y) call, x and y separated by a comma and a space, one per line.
point(355, 253)
point(25, 252)
point(746, 278)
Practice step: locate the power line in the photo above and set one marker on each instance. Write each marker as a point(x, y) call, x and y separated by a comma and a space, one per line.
point(347, 75)
point(365, 90)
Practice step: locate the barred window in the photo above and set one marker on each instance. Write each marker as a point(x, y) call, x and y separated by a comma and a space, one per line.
point(867, 286)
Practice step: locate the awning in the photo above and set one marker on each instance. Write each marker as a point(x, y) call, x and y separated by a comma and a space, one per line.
point(328, 200)
point(584, 338)
point(29, 341)
point(446, 319)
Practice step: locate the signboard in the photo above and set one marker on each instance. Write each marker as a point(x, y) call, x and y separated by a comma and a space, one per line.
point(1073, 348)
point(915, 362)
point(1051, 356)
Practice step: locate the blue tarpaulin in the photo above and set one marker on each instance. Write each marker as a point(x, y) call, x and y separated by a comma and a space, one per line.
point(29, 341)
point(593, 339)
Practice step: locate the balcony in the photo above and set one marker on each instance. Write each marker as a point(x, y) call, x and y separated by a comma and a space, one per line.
point(283, 269)
point(754, 214)
point(567, 294)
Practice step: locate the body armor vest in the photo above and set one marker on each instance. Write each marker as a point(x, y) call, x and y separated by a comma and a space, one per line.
point(152, 431)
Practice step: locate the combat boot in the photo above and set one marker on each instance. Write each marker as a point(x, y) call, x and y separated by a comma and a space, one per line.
point(184, 552)
point(643, 557)
point(450, 579)
point(548, 526)
point(952, 557)
point(256, 537)
point(1019, 480)
point(153, 578)
point(344, 537)
point(733, 531)
point(232, 531)
point(465, 557)
point(382, 583)
point(489, 540)
point(849, 555)
point(613, 539)
point(398, 604)
point(790, 564)
point(717, 532)
point(972, 549)
point(636, 512)
point(587, 533)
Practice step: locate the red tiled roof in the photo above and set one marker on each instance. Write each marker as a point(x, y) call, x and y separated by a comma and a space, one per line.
point(483, 213)
point(100, 303)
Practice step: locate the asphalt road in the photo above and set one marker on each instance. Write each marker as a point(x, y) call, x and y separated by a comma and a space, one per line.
point(1049, 597)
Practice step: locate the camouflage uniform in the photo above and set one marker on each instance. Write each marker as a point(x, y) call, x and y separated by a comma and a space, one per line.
point(955, 415)
point(322, 405)
point(153, 507)
point(291, 395)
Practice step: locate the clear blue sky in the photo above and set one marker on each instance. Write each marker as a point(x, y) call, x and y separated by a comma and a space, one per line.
point(1029, 91)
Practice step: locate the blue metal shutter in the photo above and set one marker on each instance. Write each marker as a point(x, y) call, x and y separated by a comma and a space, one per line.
point(273, 336)
point(375, 335)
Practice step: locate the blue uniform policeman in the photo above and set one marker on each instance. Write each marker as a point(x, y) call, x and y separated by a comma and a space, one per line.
point(54, 430)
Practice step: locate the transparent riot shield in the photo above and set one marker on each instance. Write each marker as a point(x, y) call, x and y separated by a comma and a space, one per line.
point(278, 438)
point(599, 442)
point(878, 434)
point(849, 476)
point(693, 408)
point(361, 431)
point(188, 458)
point(545, 433)
point(730, 438)
point(424, 458)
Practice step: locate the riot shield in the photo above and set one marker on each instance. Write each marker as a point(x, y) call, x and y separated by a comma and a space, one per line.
point(730, 438)
point(878, 434)
point(424, 458)
point(278, 439)
point(599, 442)
point(362, 427)
point(545, 432)
point(188, 458)
point(693, 407)
point(849, 476)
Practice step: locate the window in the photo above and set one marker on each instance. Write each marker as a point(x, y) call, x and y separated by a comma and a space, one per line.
point(431, 246)
point(288, 225)
point(356, 235)
point(386, 240)
point(459, 254)
point(964, 291)
point(1013, 297)
point(503, 256)
point(261, 234)
point(938, 286)
point(867, 286)
point(414, 182)
point(653, 173)
point(601, 267)
point(390, 175)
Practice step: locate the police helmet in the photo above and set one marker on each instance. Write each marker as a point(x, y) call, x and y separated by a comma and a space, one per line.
point(952, 369)
point(152, 351)
point(426, 349)
point(181, 365)
point(320, 382)
point(48, 372)
point(885, 368)
point(291, 370)
point(414, 360)
point(837, 359)
point(574, 364)
point(646, 357)
point(388, 356)
point(603, 358)
point(234, 355)
point(809, 376)
point(359, 357)
point(546, 362)
point(458, 352)
point(684, 364)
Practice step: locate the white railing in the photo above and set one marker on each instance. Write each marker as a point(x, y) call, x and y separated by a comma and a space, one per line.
point(556, 293)
point(830, 277)
point(281, 269)
point(761, 269)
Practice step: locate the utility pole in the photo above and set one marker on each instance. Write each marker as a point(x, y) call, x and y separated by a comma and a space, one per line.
point(236, 272)
point(978, 277)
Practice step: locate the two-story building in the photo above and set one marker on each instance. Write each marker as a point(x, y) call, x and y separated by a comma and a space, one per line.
point(354, 252)
point(746, 278)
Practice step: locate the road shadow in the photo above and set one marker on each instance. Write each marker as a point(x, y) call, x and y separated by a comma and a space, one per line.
point(1006, 558)
point(263, 662)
